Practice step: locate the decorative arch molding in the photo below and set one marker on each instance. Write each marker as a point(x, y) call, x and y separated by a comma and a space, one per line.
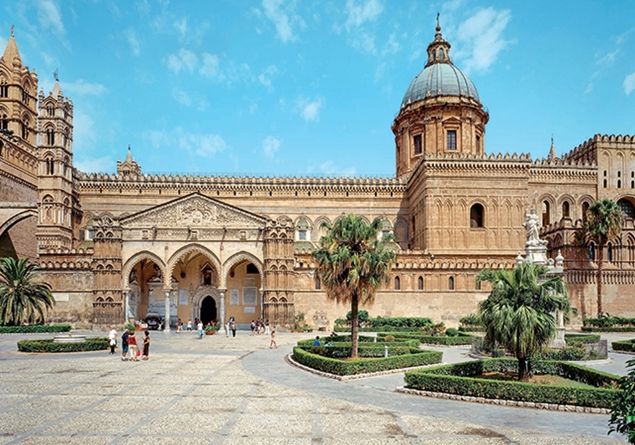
point(134, 260)
point(198, 248)
point(13, 220)
point(199, 295)
point(237, 258)
point(585, 198)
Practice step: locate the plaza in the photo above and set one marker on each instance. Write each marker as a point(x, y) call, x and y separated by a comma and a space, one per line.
point(221, 390)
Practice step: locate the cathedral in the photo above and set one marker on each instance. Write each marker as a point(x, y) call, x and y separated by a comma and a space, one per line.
point(120, 245)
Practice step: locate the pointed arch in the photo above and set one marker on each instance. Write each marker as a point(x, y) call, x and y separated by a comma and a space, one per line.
point(131, 262)
point(238, 258)
point(194, 248)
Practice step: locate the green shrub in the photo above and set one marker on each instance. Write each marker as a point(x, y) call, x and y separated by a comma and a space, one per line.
point(576, 352)
point(386, 324)
point(608, 329)
point(416, 357)
point(91, 344)
point(624, 345)
point(362, 316)
point(623, 409)
point(463, 379)
point(606, 321)
point(471, 320)
point(35, 328)
point(389, 338)
point(461, 339)
point(572, 339)
point(452, 332)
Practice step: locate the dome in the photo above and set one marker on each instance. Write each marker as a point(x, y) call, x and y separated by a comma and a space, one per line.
point(439, 79)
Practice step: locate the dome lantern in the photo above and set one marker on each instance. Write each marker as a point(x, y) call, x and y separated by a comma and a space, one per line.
point(439, 48)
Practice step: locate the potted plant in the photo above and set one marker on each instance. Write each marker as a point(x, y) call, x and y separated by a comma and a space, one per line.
point(211, 329)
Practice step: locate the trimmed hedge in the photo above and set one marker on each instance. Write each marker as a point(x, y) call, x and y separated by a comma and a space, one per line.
point(463, 379)
point(416, 357)
point(624, 345)
point(35, 328)
point(387, 323)
point(608, 329)
point(572, 339)
point(91, 344)
point(609, 322)
point(462, 339)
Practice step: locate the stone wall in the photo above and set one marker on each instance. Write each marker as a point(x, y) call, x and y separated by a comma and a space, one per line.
point(73, 296)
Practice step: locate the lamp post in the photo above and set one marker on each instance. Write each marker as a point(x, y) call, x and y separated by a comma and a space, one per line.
point(166, 326)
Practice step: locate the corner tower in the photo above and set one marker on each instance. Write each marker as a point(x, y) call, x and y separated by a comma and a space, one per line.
point(55, 172)
point(440, 112)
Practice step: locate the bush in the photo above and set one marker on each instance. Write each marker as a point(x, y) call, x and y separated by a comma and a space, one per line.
point(452, 332)
point(623, 409)
point(463, 379)
point(362, 316)
point(461, 339)
point(35, 328)
point(91, 344)
point(573, 339)
point(471, 320)
point(389, 338)
point(609, 329)
point(385, 323)
point(416, 357)
point(624, 345)
point(609, 322)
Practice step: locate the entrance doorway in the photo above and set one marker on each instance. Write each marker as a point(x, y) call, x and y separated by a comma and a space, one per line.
point(208, 310)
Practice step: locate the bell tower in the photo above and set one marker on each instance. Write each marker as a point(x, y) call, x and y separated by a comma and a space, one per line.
point(55, 170)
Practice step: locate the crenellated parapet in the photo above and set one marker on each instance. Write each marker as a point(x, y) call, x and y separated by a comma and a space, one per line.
point(586, 151)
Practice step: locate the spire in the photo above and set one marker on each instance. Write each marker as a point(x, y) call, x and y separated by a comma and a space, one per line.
point(552, 151)
point(57, 90)
point(439, 48)
point(11, 54)
point(129, 154)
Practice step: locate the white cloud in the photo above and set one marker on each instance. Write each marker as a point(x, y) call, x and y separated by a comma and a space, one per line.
point(83, 88)
point(363, 41)
point(206, 145)
point(181, 27)
point(210, 67)
point(330, 168)
point(283, 18)
point(50, 17)
point(91, 165)
point(309, 109)
point(392, 45)
point(265, 77)
point(183, 98)
point(359, 13)
point(629, 83)
point(184, 60)
point(84, 136)
point(270, 146)
point(133, 41)
point(481, 38)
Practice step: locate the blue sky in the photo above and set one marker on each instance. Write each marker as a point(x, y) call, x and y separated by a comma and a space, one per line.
point(284, 87)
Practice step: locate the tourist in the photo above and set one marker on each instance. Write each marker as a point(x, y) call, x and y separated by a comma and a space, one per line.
point(189, 325)
point(146, 345)
point(267, 332)
point(132, 344)
point(232, 326)
point(199, 328)
point(227, 329)
point(273, 343)
point(179, 325)
point(124, 344)
point(112, 339)
point(252, 325)
point(316, 342)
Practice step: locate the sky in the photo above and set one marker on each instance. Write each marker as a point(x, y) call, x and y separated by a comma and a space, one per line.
point(310, 88)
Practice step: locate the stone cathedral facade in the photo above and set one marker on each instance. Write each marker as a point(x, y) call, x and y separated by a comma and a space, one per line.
point(127, 243)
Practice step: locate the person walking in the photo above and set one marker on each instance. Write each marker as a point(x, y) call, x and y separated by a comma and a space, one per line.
point(199, 328)
point(146, 345)
point(252, 326)
point(232, 326)
point(124, 344)
point(112, 339)
point(273, 343)
point(132, 344)
point(267, 330)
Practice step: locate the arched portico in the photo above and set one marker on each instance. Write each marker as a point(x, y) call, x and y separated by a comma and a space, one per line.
point(244, 278)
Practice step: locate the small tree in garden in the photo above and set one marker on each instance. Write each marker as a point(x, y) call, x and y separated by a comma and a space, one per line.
point(623, 411)
point(519, 312)
point(602, 223)
point(22, 300)
point(352, 262)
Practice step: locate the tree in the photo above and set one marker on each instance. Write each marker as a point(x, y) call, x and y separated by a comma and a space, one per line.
point(623, 411)
point(353, 261)
point(519, 312)
point(602, 223)
point(22, 300)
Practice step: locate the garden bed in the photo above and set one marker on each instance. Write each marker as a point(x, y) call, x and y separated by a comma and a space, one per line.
point(404, 357)
point(442, 340)
point(35, 328)
point(596, 390)
point(91, 344)
point(624, 345)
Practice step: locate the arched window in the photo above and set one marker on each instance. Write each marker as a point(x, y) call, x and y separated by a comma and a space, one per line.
point(585, 209)
point(565, 209)
point(478, 285)
point(1, 147)
point(451, 283)
point(4, 88)
point(50, 166)
point(4, 121)
point(397, 283)
point(25, 129)
point(318, 283)
point(50, 137)
point(207, 274)
point(609, 252)
point(591, 252)
point(477, 214)
point(546, 213)
point(50, 110)
point(420, 283)
point(627, 208)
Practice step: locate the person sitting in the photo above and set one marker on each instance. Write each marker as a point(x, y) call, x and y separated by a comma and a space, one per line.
point(316, 342)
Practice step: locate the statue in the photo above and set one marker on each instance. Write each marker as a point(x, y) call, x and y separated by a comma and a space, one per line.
point(532, 226)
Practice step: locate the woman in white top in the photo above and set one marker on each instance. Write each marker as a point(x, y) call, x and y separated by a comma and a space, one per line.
point(112, 339)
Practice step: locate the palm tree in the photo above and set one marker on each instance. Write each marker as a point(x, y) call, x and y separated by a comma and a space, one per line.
point(21, 298)
point(353, 261)
point(519, 312)
point(602, 223)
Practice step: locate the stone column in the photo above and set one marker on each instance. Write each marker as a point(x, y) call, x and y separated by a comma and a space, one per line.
point(221, 317)
point(126, 305)
point(166, 327)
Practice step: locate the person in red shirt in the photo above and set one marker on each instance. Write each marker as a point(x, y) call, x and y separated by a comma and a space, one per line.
point(132, 344)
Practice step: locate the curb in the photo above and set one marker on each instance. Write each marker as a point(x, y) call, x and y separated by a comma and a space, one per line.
point(501, 402)
point(344, 378)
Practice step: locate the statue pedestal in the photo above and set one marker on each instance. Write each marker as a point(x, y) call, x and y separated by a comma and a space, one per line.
point(536, 254)
point(559, 341)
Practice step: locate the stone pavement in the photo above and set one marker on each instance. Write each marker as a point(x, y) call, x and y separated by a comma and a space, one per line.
point(237, 391)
